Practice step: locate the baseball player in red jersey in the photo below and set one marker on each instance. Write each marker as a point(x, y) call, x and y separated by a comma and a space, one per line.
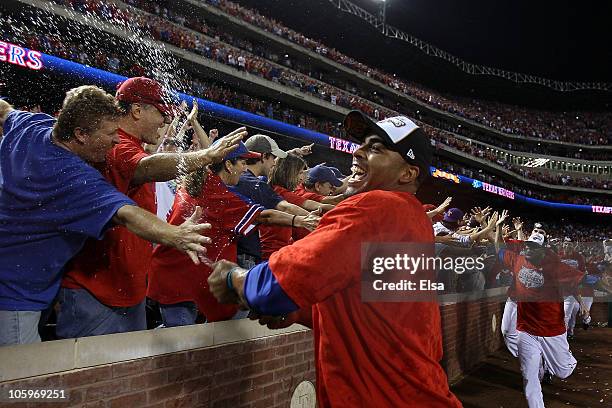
point(508, 323)
point(370, 354)
point(542, 343)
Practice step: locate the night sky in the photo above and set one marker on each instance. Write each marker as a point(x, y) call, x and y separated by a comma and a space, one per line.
point(564, 40)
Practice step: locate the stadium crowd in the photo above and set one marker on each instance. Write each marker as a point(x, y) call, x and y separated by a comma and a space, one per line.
point(548, 177)
point(576, 127)
point(474, 172)
point(589, 128)
point(219, 51)
point(520, 145)
point(77, 51)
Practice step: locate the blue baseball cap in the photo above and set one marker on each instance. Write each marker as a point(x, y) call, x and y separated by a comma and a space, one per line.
point(453, 215)
point(323, 174)
point(337, 172)
point(239, 153)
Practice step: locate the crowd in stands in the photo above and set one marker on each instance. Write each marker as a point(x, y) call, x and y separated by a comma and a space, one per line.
point(576, 127)
point(579, 127)
point(255, 59)
point(217, 50)
point(521, 145)
point(207, 89)
point(216, 92)
point(533, 192)
point(76, 50)
point(549, 176)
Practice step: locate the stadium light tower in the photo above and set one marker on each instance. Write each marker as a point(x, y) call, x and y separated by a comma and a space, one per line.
point(383, 15)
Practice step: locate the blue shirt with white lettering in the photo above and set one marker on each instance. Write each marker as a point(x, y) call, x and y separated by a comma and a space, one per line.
point(51, 201)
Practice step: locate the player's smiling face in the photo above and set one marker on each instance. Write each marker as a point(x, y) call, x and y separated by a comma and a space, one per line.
point(375, 167)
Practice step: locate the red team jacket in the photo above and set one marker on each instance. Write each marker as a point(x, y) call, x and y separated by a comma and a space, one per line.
point(367, 354)
point(543, 286)
point(115, 269)
point(174, 278)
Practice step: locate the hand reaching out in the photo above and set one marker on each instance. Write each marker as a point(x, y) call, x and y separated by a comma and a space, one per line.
point(188, 237)
point(502, 218)
point(518, 223)
point(227, 143)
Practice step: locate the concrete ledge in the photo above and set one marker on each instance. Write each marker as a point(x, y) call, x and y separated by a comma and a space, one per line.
point(17, 362)
point(492, 294)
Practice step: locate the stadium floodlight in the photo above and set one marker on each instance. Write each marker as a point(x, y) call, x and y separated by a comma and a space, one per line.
point(383, 15)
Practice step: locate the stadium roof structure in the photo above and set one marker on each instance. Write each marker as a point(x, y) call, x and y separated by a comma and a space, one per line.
point(541, 55)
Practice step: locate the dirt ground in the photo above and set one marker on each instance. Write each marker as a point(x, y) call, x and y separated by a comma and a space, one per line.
point(497, 383)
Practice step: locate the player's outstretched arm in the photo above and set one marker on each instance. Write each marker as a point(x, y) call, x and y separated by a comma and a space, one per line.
point(167, 166)
point(275, 217)
point(186, 237)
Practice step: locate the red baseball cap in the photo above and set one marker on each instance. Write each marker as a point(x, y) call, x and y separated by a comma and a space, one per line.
point(144, 90)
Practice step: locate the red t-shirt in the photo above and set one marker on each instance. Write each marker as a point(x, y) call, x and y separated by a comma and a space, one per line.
point(302, 192)
point(274, 237)
point(539, 293)
point(115, 268)
point(174, 277)
point(368, 354)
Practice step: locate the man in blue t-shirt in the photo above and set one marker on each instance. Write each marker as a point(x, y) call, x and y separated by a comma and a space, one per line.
point(52, 200)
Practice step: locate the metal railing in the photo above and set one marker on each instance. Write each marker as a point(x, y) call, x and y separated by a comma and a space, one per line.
point(467, 67)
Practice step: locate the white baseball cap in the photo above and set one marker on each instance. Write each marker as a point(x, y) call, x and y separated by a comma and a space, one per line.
point(536, 238)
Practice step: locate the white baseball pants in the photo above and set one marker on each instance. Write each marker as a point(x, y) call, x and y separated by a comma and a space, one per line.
point(535, 353)
point(508, 327)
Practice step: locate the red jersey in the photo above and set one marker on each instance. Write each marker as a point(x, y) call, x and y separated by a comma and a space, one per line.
point(274, 237)
point(539, 291)
point(115, 268)
point(368, 354)
point(302, 192)
point(515, 245)
point(174, 278)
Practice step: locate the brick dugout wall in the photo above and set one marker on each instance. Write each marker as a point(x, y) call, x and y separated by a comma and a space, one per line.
point(250, 374)
point(253, 372)
point(471, 332)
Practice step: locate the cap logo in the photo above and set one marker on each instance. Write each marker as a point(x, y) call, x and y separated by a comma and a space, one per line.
point(397, 122)
point(397, 127)
point(410, 154)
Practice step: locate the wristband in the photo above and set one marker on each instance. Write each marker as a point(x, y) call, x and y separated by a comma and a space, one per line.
point(228, 279)
point(293, 221)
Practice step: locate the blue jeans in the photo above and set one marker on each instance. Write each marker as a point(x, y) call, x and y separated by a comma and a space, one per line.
point(186, 313)
point(19, 327)
point(82, 315)
point(179, 314)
